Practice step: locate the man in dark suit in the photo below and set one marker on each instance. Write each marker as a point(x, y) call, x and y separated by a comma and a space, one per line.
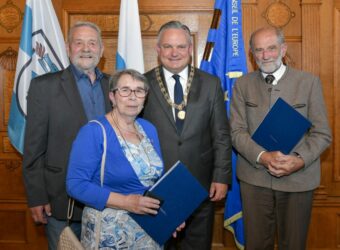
point(58, 104)
point(277, 189)
point(187, 107)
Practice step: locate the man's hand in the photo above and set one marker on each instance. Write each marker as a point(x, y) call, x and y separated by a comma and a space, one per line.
point(218, 191)
point(178, 229)
point(279, 164)
point(269, 158)
point(39, 213)
point(286, 165)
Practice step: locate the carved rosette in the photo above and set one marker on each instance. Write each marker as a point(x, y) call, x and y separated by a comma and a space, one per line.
point(145, 22)
point(8, 59)
point(278, 14)
point(10, 16)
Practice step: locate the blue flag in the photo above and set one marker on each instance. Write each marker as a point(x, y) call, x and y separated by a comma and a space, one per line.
point(227, 61)
point(130, 49)
point(42, 50)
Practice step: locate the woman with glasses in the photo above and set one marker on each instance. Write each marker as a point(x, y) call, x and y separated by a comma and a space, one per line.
point(133, 164)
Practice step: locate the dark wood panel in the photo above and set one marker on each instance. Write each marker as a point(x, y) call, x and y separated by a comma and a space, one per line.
point(313, 36)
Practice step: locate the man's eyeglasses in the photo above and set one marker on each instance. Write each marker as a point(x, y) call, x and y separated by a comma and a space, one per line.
point(125, 92)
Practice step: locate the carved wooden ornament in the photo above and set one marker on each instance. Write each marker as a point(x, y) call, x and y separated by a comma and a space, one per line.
point(10, 16)
point(278, 14)
point(8, 59)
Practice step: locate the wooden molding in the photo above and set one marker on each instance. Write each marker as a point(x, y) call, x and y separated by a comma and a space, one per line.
point(311, 37)
point(336, 140)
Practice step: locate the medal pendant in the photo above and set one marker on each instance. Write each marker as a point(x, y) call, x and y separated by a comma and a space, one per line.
point(181, 114)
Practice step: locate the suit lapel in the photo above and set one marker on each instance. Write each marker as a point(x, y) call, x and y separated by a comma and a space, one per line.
point(161, 99)
point(194, 93)
point(71, 91)
point(105, 88)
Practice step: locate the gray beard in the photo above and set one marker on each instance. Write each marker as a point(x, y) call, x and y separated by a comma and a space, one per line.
point(272, 68)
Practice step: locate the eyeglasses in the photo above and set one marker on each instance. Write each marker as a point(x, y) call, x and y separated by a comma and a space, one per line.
point(125, 92)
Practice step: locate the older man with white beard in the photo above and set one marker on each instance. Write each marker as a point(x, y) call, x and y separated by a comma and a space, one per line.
point(277, 189)
point(58, 104)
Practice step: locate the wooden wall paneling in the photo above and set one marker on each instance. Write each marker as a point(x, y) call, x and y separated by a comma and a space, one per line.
point(11, 216)
point(336, 68)
point(328, 189)
point(11, 14)
point(324, 231)
point(311, 36)
point(249, 24)
point(11, 186)
point(17, 230)
point(150, 22)
point(222, 238)
point(7, 80)
point(219, 236)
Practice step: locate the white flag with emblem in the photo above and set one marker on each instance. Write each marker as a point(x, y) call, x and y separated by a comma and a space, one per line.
point(42, 50)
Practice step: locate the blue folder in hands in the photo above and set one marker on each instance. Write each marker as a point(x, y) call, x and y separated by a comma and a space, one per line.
point(282, 128)
point(180, 194)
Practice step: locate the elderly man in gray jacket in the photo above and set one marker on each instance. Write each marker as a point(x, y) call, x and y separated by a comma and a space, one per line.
point(277, 189)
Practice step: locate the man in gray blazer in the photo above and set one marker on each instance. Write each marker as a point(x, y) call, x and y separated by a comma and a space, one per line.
point(277, 189)
point(58, 104)
point(193, 130)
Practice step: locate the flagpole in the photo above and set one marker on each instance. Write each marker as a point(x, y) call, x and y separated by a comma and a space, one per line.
point(214, 25)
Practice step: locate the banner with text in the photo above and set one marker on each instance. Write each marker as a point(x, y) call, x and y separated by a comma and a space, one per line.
point(227, 61)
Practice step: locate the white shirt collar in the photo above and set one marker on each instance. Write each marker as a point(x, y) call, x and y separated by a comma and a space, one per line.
point(183, 75)
point(277, 74)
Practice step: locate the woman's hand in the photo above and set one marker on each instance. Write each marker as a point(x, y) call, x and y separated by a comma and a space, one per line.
point(139, 204)
point(178, 229)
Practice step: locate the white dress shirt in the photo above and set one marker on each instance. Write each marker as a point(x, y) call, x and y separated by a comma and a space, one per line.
point(277, 74)
point(170, 83)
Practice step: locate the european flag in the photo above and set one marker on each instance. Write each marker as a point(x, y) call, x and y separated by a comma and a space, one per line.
point(42, 50)
point(224, 57)
point(130, 49)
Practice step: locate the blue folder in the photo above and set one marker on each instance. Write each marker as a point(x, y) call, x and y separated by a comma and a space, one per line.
point(180, 194)
point(282, 128)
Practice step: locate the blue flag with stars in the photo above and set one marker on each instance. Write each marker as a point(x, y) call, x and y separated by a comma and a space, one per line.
point(225, 57)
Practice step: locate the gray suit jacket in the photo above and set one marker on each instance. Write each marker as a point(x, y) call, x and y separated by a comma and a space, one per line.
point(251, 100)
point(204, 145)
point(55, 113)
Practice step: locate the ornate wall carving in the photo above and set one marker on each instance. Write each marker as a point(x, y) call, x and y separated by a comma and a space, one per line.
point(278, 14)
point(8, 59)
point(10, 16)
point(313, 36)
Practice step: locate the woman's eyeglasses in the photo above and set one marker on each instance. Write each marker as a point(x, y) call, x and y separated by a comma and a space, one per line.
point(125, 92)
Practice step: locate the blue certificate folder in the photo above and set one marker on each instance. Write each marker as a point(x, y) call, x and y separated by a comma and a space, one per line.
point(282, 128)
point(180, 194)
